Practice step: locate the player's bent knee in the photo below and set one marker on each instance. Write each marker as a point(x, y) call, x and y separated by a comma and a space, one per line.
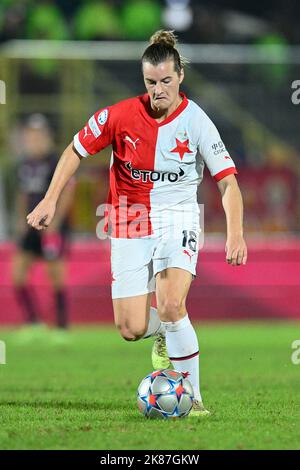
point(127, 336)
point(171, 309)
point(131, 334)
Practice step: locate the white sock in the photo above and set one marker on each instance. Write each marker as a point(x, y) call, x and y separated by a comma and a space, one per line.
point(183, 350)
point(155, 326)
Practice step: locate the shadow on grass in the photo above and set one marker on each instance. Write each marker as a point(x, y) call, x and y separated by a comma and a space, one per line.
point(66, 405)
point(125, 410)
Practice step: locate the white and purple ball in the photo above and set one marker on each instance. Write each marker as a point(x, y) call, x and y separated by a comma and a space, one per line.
point(165, 394)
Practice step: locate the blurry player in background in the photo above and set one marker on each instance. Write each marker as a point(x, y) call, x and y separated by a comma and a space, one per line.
point(161, 142)
point(34, 173)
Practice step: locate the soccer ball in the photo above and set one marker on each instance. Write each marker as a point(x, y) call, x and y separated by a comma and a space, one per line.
point(165, 394)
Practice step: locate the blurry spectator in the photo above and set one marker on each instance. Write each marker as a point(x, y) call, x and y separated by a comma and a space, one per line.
point(34, 174)
point(140, 18)
point(96, 20)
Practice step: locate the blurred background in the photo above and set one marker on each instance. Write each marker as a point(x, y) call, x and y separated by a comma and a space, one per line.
point(62, 60)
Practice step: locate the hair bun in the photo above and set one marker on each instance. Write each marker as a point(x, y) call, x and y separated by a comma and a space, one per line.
point(166, 38)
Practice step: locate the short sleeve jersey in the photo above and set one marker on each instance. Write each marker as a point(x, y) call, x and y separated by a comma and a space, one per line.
point(156, 167)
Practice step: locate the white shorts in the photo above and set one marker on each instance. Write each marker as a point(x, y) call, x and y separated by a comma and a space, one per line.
point(136, 261)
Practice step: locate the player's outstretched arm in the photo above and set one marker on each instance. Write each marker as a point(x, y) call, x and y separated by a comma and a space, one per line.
point(236, 249)
point(43, 213)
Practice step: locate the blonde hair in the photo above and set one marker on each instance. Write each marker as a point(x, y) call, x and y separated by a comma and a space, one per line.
point(162, 48)
point(164, 37)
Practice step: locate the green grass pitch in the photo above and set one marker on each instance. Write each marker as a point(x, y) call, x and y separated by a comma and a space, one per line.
point(82, 395)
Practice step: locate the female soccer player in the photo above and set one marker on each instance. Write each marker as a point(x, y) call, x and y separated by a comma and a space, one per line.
point(161, 141)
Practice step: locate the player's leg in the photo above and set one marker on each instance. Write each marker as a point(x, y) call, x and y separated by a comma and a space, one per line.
point(21, 264)
point(131, 316)
point(133, 285)
point(56, 273)
point(174, 264)
point(173, 285)
point(136, 319)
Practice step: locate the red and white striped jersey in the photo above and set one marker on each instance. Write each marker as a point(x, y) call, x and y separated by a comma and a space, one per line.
point(156, 166)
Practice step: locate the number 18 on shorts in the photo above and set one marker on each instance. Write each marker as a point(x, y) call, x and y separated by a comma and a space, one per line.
point(136, 261)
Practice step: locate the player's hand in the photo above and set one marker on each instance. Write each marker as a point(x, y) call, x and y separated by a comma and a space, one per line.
point(236, 250)
point(42, 215)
